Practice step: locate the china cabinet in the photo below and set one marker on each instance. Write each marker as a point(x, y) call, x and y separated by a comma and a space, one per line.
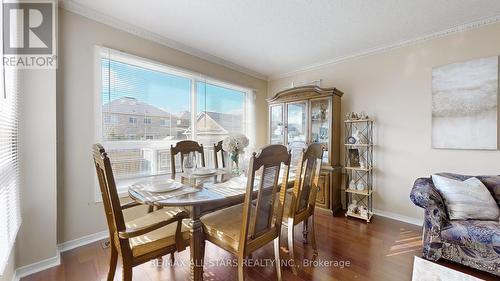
point(310, 114)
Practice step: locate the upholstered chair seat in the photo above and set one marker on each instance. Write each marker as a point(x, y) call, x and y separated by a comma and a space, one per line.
point(225, 225)
point(157, 239)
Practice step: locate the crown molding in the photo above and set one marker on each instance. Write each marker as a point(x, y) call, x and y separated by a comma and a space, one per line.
point(385, 48)
point(92, 14)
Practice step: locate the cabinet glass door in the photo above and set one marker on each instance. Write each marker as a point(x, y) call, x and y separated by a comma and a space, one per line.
point(320, 123)
point(276, 127)
point(296, 116)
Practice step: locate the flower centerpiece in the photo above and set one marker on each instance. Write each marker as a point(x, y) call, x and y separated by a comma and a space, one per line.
point(235, 145)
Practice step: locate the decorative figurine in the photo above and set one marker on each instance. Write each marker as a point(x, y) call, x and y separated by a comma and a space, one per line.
point(352, 185)
point(363, 211)
point(353, 116)
point(361, 186)
point(360, 139)
point(353, 207)
point(362, 115)
point(322, 112)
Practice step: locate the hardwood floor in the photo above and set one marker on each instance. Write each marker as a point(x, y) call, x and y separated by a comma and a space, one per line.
point(381, 250)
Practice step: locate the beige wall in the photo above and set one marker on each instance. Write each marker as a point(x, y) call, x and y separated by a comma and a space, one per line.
point(78, 214)
point(37, 237)
point(395, 88)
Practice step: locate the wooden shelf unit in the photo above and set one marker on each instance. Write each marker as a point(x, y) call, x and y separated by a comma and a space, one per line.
point(363, 129)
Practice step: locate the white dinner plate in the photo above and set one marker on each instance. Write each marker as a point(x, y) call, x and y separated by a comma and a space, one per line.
point(204, 172)
point(169, 185)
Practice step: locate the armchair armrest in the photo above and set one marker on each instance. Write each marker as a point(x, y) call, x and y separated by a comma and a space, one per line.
point(134, 232)
point(130, 205)
point(425, 195)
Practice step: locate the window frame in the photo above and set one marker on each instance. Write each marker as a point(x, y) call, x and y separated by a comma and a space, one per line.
point(100, 51)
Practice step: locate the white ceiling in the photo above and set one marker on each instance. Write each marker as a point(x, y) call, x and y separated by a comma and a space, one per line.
point(275, 37)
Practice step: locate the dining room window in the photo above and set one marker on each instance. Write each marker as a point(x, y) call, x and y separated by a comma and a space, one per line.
point(155, 106)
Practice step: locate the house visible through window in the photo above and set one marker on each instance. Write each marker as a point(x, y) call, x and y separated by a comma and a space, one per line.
point(220, 112)
point(152, 105)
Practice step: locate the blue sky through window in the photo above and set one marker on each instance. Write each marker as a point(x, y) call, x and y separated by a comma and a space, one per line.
point(168, 92)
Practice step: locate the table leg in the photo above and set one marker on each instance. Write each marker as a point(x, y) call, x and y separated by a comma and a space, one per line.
point(197, 246)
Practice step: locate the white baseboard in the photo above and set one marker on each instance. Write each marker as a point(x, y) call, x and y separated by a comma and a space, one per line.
point(55, 261)
point(37, 267)
point(398, 217)
point(69, 245)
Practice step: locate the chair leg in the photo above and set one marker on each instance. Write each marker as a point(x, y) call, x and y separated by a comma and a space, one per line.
point(313, 236)
point(277, 257)
point(172, 258)
point(112, 262)
point(127, 272)
point(241, 270)
point(305, 230)
point(290, 246)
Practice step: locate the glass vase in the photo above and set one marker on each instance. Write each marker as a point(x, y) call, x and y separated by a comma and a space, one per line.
point(234, 163)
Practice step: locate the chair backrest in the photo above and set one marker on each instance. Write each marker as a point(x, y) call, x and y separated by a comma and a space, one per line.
point(266, 223)
point(185, 147)
point(110, 199)
point(217, 149)
point(306, 180)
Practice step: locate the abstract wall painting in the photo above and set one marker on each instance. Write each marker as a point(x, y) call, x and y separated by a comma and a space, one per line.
point(465, 105)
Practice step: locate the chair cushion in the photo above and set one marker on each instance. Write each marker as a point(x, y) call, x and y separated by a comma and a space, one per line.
point(225, 225)
point(468, 199)
point(473, 234)
point(157, 239)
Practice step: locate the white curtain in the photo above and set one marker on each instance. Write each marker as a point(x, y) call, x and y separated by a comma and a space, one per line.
point(10, 215)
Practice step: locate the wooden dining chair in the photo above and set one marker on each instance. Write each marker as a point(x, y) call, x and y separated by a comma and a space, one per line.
point(185, 147)
point(246, 227)
point(218, 149)
point(299, 207)
point(137, 241)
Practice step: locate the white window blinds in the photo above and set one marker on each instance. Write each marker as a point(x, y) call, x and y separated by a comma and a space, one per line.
point(145, 107)
point(10, 216)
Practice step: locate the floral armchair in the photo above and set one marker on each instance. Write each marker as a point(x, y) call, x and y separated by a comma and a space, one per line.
point(473, 243)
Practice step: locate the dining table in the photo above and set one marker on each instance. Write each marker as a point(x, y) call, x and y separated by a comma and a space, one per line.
point(198, 195)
